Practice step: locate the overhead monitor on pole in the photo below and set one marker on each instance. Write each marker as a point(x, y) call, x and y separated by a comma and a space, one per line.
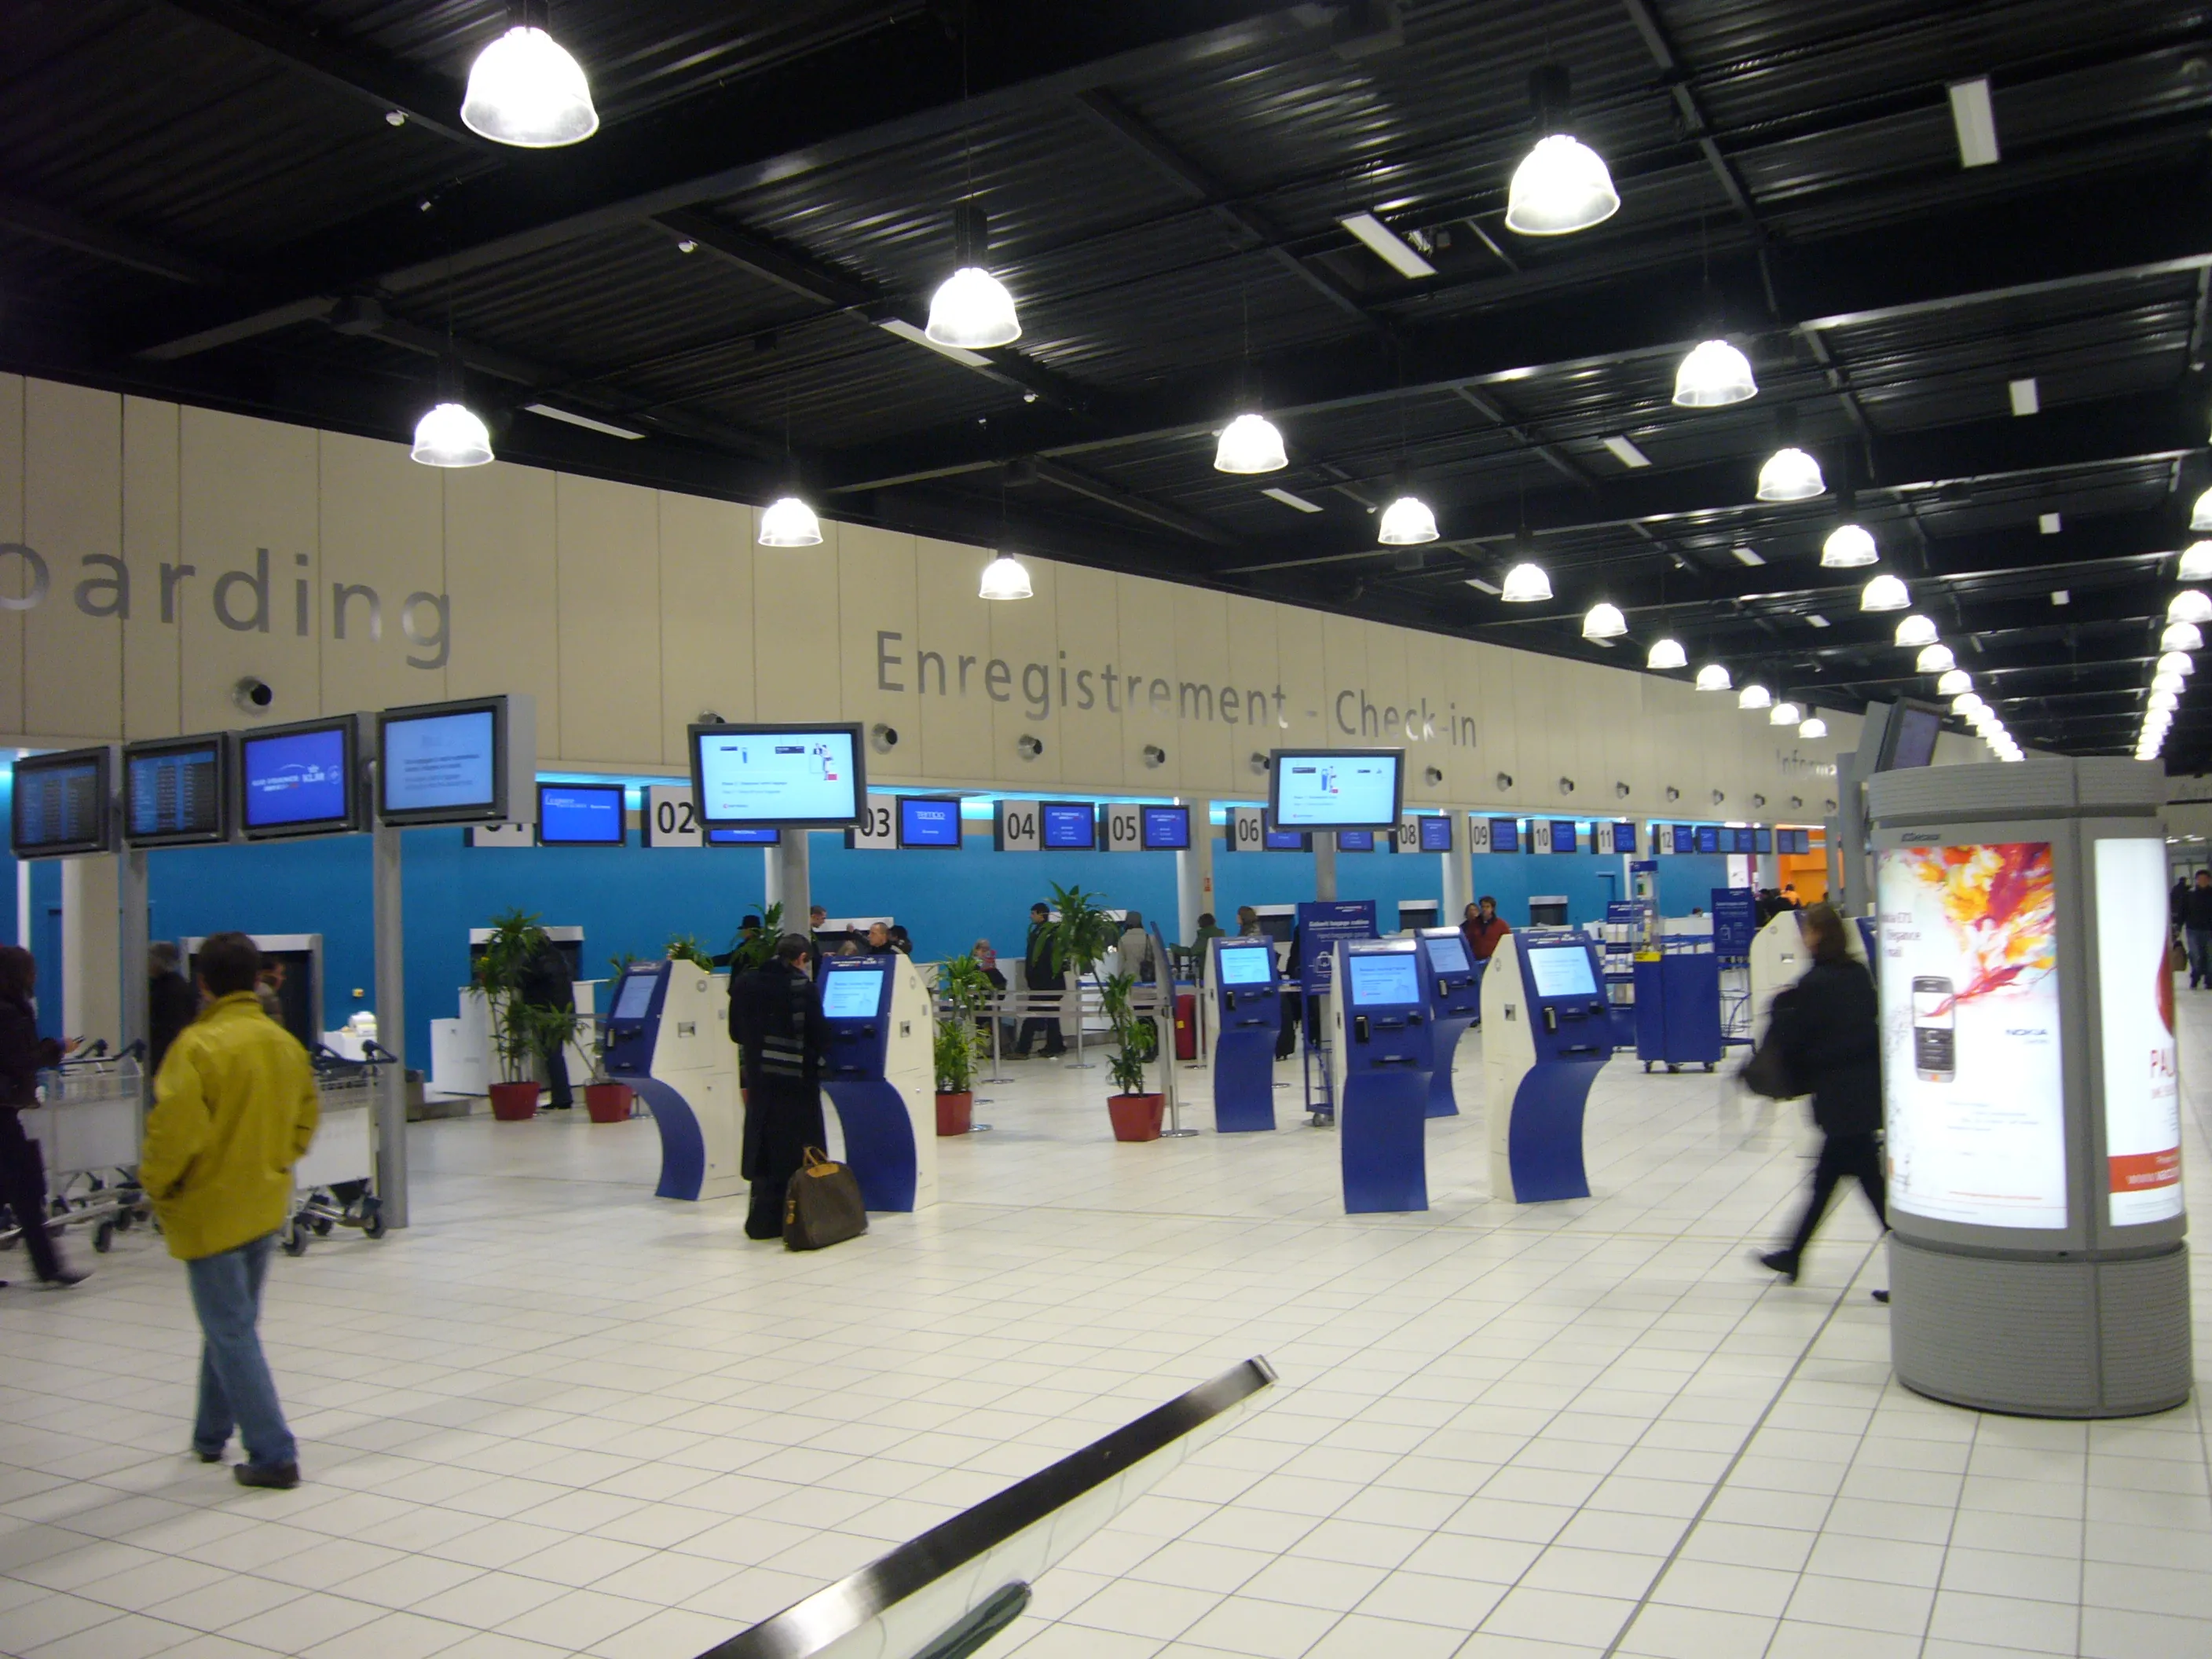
point(64, 804)
point(176, 790)
point(1909, 740)
point(301, 779)
point(473, 762)
point(1335, 788)
point(799, 776)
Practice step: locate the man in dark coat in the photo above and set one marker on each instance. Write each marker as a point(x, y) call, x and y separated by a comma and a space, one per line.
point(2196, 928)
point(1040, 975)
point(547, 983)
point(1831, 1034)
point(171, 1003)
point(776, 1020)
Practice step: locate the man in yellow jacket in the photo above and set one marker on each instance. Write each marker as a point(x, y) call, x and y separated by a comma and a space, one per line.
point(234, 1109)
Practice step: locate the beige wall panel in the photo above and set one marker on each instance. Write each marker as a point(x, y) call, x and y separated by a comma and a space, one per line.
point(500, 571)
point(876, 577)
point(1200, 758)
point(1025, 636)
point(1146, 663)
point(1087, 617)
point(1389, 682)
point(1254, 666)
point(1344, 669)
point(150, 539)
point(1303, 674)
point(73, 512)
point(16, 578)
point(1466, 768)
point(383, 528)
point(248, 484)
point(706, 615)
point(607, 541)
point(795, 629)
point(1593, 696)
point(951, 623)
point(1428, 694)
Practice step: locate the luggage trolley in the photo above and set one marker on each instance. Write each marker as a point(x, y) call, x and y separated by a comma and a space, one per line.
point(88, 1125)
point(331, 1182)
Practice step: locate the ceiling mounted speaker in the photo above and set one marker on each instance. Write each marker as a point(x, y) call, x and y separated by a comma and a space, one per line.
point(1028, 748)
point(1719, 795)
point(1260, 762)
point(883, 739)
point(253, 696)
point(1620, 791)
point(1566, 786)
point(1673, 793)
point(1504, 780)
point(1759, 800)
point(1433, 775)
point(1155, 756)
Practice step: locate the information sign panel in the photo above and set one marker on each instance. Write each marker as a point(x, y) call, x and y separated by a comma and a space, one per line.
point(669, 819)
point(2134, 991)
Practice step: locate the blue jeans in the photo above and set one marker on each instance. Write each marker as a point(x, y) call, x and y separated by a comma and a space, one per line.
point(2200, 955)
point(235, 1386)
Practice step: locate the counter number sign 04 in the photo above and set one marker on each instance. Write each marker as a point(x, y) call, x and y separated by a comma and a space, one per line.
point(1015, 827)
point(671, 820)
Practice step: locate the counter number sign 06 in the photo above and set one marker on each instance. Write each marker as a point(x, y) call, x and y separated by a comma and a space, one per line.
point(1124, 827)
point(1248, 829)
point(671, 820)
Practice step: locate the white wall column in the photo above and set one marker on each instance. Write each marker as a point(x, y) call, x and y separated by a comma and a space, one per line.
point(1459, 873)
point(789, 879)
point(1195, 872)
point(1324, 864)
point(91, 984)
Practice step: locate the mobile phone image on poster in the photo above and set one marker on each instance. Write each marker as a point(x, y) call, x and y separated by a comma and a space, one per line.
point(2135, 987)
point(1975, 1108)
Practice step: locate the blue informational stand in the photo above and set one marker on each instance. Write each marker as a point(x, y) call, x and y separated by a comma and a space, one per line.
point(1455, 1004)
point(1321, 923)
point(1545, 1037)
point(880, 1074)
point(1248, 1013)
point(1678, 1006)
point(1379, 1056)
point(668, 1037)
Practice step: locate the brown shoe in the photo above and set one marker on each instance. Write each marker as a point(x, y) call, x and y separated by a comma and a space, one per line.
point(279, 1477)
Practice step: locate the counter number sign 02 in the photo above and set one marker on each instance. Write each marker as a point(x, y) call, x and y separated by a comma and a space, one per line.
point(878, 830)
point(671, 820)
point(1123, 826)
point(1248, 829)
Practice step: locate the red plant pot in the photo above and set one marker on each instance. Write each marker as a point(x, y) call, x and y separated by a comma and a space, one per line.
point(607, 1102)
point(1136, 1117)
point(956, 1112)
point(515, 1102)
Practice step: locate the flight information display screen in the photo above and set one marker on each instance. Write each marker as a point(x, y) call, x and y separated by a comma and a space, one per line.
point(1435, 833)
point(1709, 838)
point(60, 804)
point(926, 821)
point(747, 775)
point(1334, 789)
point(1248, 964)
point(853, 993)
point(1562, 835)
point(1384, 979)
point(756, 836)
point(581, 814)
point(1068, 825)
point(1447, 954)
point(174, 794)
point(1561, 970)
point(1285, 841)
point(1166, 829)
point(1504, 835)
point(636, 996)
point(1355, 841)
point(1762, 841)
point(299, 780)
point(440, 763)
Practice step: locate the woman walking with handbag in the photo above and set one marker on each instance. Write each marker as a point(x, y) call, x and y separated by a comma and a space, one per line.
point(24, 1055)
point(1831, 1038)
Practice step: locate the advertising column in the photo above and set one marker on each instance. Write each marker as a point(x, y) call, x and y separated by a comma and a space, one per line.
point(2142, 1082)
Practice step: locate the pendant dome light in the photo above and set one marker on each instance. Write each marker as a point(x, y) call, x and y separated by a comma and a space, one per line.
point(1790, 474)
point(525, 90)
point(2190, 606)
point(2169, 681)
point(1250, 444)
point(1934, 659)
point(1848, 546)
point(1714, 375)
point(1005, 578)
point(1604, 622)
point(1813, 727)
point(2164, 701)
point(1713, 676)
point(1755, 696)
point(971, 308)
point(2181, 636)
point(789, 522)
point(1526, 584)
point(1966, 703)
point(2178, 662)
point(2200, 516)
point(1884, 592)
point(1954, 681)
point(451, 435)
point(1667, 653)
point(1784, 713)
point(1915, 631)
point(1561, 186)
point(1406, 522)
point(2196, 562)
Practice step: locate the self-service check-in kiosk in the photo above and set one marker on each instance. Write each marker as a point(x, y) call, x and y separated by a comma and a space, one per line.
point(880, 1074)
point(1545, 1032)
point(1379, 1057)
point(668, 1037)
point(1455, 1004)
point(1248, 1014)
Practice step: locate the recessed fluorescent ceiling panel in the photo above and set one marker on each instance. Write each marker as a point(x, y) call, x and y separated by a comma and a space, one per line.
point(1394, 250)
point(2025, 398)
point(1975, 122)
point(1626, 453)
point(1490, 588)
point(584, 421)
point(1816, 620)
point(1289, 499)
point(907, 331)
point(2049, 523)
point(1744, 555)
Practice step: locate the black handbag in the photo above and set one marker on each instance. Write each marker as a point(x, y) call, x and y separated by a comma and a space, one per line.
point(1769, 1073)
point(822, 1206)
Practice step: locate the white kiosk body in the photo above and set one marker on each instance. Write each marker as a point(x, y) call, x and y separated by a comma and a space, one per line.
point(669, 1038)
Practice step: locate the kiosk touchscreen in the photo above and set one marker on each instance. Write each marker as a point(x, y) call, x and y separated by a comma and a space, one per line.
point(880, 1074)
point(1379, 1059)
point(668, 1037)
point(1247, 1012)
point(1546, 1031)
point(1455, 1004)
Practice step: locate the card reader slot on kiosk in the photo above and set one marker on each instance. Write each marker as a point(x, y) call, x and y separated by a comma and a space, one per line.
point(668, 1038)
point(1380, 1054)
point(1249, 1013)
point(1546, 1029)
point(879, 1072)
point(1455, 1004)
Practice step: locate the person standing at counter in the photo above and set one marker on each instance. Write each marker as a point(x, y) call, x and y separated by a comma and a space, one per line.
point(1039, 976)
point(776, 1020)
point(546, 983)
point(171, 1003)
point(24, 1055)
point(2196, 928)
point(1484, 929)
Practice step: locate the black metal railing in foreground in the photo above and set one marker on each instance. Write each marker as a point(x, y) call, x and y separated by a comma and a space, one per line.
point(896, 1589)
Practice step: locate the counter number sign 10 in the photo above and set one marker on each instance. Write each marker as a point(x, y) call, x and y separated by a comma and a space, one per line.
point(671, 820)
point(878, 828)
point(1121, 827)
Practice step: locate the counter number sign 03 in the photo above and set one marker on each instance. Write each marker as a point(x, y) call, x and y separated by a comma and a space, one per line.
point(670, 818)
point(878, 830)
point(1123, 826)
point(1248, 829)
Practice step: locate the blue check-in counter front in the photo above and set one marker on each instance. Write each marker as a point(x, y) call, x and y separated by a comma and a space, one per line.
point(1455, 1004)
point(1379, 1058)
point(880, 1074)
point(1248, 1003)
point(1545, 1034)
point(668, 1038)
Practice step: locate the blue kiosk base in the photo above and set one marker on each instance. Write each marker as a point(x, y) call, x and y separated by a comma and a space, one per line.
point(683, 1145)
point(1545, 1139)
point(1441, 1102)
point(878, 1141)
point(1245, 1080)
point(1382, 1123)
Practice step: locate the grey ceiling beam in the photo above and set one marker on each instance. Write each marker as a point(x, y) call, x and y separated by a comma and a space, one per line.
point(118, 247)
point(1078, 483)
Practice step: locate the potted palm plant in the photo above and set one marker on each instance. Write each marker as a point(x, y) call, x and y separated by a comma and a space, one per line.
point(1135, 1114)
point(1079, 936)
point(607, 1100)
point(963, 992)
point(516, 937)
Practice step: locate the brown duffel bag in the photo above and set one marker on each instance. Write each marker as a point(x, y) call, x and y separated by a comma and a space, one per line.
point(822, 1206)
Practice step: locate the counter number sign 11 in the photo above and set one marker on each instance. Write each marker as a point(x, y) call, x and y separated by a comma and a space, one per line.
point(878, 828)
point(671, 820)
point(1121, 827)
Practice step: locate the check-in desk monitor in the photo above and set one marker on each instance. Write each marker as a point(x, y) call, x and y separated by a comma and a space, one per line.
point(1455, 1004)
point(668, 1037)
point(880, 1074)
point(1247, 1012)
point(1546, 1029)
point(1380, 1056)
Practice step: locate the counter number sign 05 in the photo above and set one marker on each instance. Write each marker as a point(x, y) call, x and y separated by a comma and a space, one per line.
point(671, 820)
point(1123, 826)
